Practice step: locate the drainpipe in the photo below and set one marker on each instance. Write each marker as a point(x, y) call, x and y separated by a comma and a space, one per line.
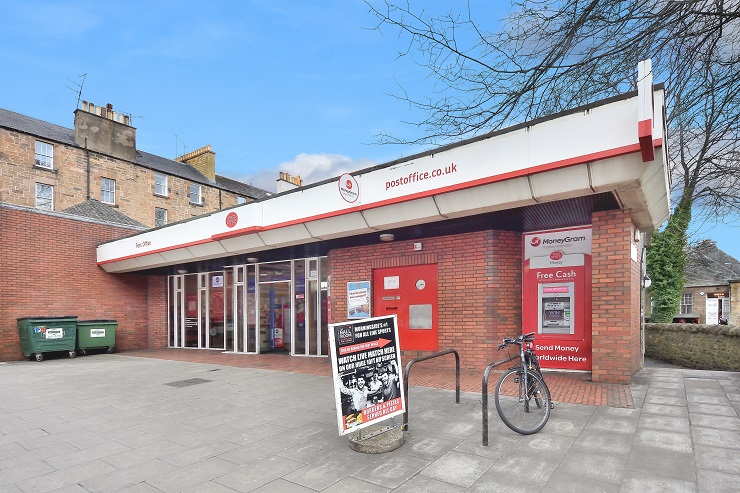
point(87, 158)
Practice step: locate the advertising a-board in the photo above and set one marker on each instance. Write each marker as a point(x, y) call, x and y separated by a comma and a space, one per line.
point(557, 296)
point(366, 364)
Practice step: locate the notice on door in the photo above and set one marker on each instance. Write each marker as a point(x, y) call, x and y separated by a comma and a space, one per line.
point(366, 364)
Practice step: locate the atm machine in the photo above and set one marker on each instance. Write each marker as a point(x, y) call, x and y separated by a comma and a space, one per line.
point(556, 308)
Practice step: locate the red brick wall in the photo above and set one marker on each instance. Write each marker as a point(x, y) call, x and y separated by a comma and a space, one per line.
point(48, 265)
point(615, 299)
point(479, 288)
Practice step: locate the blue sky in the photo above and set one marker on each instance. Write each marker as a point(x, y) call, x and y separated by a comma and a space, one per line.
point(271, 85)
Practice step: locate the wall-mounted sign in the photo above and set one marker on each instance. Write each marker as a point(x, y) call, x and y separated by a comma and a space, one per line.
point(358, 299)
point(349, 189)
point(366, 366)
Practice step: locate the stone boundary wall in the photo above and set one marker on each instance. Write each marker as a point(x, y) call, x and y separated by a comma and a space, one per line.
point(704, 347)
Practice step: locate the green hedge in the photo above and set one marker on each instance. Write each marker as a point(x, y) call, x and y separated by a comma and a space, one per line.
point(704, 347)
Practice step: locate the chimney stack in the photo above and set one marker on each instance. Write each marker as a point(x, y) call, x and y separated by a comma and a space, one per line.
point(203, 159)
point(103, 130)
point(287, 182)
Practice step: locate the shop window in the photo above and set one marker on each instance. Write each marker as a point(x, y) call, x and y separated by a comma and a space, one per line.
point(195, 194)
point(44, 155)
point(160, 217)
point(160, 184)
point(687, 303)
point(44, 197)
point(107, 191)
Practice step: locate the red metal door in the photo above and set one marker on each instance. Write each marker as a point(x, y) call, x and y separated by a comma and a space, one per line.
point(411, 294)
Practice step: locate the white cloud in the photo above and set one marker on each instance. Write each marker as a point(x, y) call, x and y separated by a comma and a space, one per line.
point(311, 168)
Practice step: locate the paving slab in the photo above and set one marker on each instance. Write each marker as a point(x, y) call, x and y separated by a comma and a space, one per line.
point(116, 423)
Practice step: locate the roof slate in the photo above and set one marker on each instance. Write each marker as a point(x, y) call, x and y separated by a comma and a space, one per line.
point(707, 265)
point(97, 210)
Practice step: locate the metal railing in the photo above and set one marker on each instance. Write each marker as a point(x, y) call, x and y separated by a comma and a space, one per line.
point(484, 394)
point(406, 380)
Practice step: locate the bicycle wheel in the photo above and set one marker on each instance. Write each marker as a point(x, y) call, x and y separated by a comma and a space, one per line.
point(513, 401)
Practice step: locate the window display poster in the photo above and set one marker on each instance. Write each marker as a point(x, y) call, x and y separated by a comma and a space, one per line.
point(358, 299)
point(366, 367)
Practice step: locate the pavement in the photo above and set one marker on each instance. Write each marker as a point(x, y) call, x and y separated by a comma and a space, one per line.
point(135, 422)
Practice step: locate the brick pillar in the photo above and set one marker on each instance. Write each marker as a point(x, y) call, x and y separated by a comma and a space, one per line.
point(615, 292)
point(157, 305)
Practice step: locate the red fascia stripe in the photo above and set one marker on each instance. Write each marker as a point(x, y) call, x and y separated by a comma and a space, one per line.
point(596, 156)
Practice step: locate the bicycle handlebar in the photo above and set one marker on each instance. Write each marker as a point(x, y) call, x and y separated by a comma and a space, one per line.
point(529, 337)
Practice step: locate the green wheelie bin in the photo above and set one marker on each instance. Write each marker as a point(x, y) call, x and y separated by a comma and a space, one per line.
point(41, 335)
point(96, 334)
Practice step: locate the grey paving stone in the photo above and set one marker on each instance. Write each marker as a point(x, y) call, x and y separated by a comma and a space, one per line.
point(666, 400)
point(666, 423)
point(717, 482)
point(666, 410)
point(68, 459)
point(391, 470)
point(566, 483)
point(716, 437)
point(252, 476)
point(521, 464)
point(358, 486)
point(709, 421)
point(720, 459)
point(713, 409)
point(208, 487)
point(604, 441)
point(142, 454)
point(36, 455)
point(598, 466)
point(494, 481)
point(458, 468)
point(709, 399)
point(127, 477)
point(665, 440)
point(196, 474)
point(662, 392)
point(662, 462)
point(614, 424)
point(429, 448)
point(645, 483)
point(66, 477)
point(324, 472)
point(283, 486)
point(314, 449)
point(545, 444)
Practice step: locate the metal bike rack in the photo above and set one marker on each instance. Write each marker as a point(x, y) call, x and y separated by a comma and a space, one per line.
point(406, 380)
point(484, 395)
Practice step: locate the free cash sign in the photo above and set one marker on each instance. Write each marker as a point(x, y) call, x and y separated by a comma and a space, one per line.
point(366, 365)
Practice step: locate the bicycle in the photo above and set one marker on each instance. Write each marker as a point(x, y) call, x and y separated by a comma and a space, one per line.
point(521, 395)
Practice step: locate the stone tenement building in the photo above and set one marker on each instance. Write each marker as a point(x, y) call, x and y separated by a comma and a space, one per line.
point(49, 167)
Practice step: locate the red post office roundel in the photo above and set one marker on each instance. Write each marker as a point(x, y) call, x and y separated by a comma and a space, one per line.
point(231, 219)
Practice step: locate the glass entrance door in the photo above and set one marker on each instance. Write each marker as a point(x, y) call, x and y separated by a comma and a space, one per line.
point(275, 306)
point(311, 325)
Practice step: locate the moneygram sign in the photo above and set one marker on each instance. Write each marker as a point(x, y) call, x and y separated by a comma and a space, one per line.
point(565, 241)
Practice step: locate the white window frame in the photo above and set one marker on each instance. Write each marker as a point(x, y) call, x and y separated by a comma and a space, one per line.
point(687, 303)
point(107, 190)
point(47, 203)
point(157, 209)
point(160, 185)
point(44, 157)
point(196, 190)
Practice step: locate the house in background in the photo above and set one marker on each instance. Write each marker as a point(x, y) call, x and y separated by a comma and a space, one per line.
point(712, 291)
point(53, 168)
